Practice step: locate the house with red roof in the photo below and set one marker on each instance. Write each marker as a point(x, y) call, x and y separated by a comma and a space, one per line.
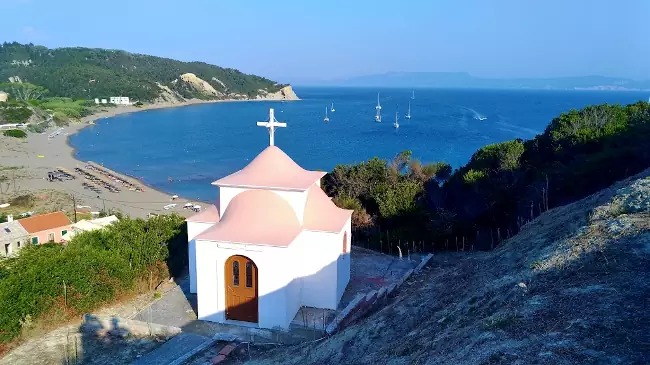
point(44, 228)
point(273, 242)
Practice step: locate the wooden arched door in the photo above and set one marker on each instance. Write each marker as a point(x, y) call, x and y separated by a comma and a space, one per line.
point(241, 289)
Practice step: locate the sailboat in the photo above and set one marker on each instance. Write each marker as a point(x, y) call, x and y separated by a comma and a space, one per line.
point(413, 96)
point(408, 115)
point(326, 118)
point(396, 124)
point(378, 107)
point(332, 108)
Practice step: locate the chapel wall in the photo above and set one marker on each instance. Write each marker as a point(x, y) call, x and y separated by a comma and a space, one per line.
point(273, 282)
point(193, 230)
point(319, 269)
point(344, 260)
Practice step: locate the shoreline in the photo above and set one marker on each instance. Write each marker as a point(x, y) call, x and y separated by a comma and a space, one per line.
point(120, 110)
point(33, 157)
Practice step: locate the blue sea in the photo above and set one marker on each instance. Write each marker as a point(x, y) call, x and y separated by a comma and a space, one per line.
point(198, 144)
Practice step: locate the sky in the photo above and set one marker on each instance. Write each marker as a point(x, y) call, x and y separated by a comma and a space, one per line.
point(311, 40)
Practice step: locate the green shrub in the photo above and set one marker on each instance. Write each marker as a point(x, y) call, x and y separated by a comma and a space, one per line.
point(15, 112)
point(17, 133)
point(62, 282)
point(471, 177)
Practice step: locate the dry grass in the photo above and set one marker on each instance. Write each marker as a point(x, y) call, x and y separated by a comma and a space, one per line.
point(570, 288)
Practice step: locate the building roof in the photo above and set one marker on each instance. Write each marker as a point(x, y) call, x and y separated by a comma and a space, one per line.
point(272, 169)
point(44, 222)
point(12, 231)
point(321, 214)
point(256, 217)
point(104, 221)
point(86, 225)
point(208, 215)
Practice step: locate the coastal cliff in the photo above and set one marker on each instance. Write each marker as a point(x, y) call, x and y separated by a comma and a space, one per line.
point(286, 93)
point(89, 73)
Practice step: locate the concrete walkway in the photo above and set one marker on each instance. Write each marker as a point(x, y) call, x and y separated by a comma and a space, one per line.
point(176, 350)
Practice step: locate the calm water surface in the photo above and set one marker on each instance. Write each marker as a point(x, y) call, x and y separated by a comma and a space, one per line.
point(198, 144)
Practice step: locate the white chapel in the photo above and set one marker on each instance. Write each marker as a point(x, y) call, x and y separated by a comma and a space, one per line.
point(273, 242)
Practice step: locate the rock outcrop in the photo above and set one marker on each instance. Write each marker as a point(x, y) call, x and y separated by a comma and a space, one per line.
point(199, 84)
point(286, 93)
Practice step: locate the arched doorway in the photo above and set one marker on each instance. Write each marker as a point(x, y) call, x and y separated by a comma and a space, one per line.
point(241, 289)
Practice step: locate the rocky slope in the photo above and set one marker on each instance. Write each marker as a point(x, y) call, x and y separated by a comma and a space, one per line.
point(571, 288)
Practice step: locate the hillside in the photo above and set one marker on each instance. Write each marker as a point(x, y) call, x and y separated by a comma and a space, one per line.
point(570, 288)
point(100, 73)
point(465, 80)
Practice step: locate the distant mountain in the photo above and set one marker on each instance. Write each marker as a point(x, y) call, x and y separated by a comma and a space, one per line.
point(465, 80)
point(100, 73)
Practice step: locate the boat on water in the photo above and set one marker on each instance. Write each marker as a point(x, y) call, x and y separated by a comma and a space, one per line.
point(396, 124)
point(326, 119)
point(378, 108)
point(413, 96)
point(408, 114)
point(332, 108)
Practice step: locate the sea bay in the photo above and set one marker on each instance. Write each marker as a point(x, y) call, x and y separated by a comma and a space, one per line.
point(198, 144)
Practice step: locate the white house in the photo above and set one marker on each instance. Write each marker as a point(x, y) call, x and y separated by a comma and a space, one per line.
point(86, 225)
point(120, 100)
point(12, 237)
point(96, 101)
point(104, 101)
point(3, 96)
point(273, 243)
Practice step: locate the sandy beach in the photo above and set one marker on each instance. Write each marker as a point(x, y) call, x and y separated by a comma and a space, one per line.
point(25, 164)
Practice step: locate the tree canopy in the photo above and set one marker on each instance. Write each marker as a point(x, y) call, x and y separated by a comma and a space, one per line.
point(503, 185)
point(100, 73)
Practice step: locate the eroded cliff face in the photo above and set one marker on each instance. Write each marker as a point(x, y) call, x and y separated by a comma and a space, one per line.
point(286, 93)
point(199, 84)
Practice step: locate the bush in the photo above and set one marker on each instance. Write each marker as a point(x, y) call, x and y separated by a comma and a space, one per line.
point(15, 112)
point(17, 133)
point(96, 268)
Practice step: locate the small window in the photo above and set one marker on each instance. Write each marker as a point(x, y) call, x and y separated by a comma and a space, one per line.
point(235, 273)
point(7, 249)
point(18, 244)
point(63, 232)
point(34, 240)
point(50, 237)
point(249, 274)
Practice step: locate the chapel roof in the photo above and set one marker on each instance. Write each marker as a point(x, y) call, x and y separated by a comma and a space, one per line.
point(321, 214)
point(256, 217)
point(44, 222)
point(272, 169)
point(208, 215)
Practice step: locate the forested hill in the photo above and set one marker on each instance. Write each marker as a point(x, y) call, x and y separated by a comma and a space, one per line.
point(100, 73)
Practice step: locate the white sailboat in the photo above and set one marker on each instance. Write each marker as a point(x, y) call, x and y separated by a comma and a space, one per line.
point(378, 107)
point(413, 96)
point(332, 108)
point(408, 114)
point(396, 124)
point(326, 118)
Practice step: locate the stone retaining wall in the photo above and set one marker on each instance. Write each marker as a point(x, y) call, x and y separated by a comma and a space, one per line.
point(362, 304)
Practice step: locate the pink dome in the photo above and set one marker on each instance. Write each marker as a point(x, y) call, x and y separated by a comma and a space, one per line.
point(272, 168)
point(256, 217)
point(321, 214)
